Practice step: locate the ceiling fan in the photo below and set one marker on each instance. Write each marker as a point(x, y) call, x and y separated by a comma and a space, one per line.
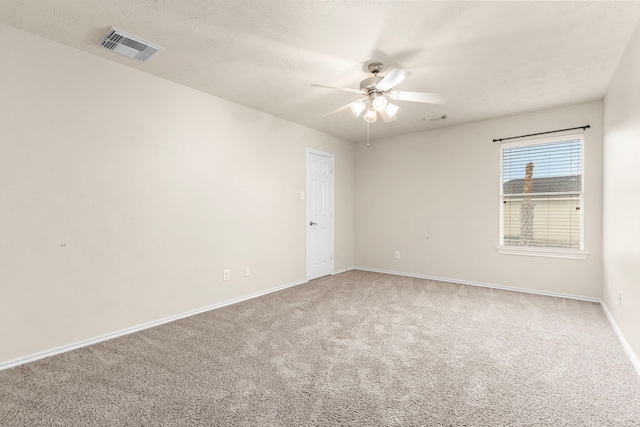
point(377, 89)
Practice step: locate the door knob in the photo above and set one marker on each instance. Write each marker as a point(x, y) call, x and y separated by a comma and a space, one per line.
point(313, 223)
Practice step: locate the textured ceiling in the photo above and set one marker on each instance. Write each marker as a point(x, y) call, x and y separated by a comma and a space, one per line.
point(492, 58)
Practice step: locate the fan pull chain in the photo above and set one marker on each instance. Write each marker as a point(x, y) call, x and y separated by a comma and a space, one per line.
point(368, 134)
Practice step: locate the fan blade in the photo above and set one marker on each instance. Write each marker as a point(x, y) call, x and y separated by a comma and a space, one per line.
point(429, 98)
point(392, 78)
point(340, 88)
point(344, 107)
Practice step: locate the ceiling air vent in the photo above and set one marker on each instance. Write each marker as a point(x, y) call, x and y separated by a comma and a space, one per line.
point(128, 45)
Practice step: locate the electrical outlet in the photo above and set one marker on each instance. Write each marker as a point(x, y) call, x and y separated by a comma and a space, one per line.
point(247, 271)
point(397, 254)
point(226, 275)
point(620, 298)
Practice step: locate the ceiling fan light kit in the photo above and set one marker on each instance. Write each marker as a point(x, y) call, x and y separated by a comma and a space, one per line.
point(391, 109)
point(358, 107)
point(371, 115)
point(386, 117)
point(376, 89)
point(379, 102)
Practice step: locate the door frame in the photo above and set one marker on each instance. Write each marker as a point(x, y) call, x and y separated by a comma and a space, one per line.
point(331, 156)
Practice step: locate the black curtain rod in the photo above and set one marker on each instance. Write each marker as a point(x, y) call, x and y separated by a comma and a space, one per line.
point(542, 133)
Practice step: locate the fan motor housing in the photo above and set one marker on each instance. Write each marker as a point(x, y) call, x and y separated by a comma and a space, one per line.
point(370, 83)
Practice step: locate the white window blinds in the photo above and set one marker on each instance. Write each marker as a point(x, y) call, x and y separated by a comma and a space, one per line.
point(541, 200)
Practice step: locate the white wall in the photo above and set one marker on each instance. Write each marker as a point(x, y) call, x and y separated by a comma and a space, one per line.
point(124, 196)
point(434, 196)
point(621, 245)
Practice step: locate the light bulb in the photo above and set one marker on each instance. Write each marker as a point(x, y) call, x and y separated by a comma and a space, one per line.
point(358, 107)
point(379, 103)
point(391, 109)
point(371, 115)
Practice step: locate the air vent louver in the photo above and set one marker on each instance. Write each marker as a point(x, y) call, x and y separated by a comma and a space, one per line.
point(129, 45)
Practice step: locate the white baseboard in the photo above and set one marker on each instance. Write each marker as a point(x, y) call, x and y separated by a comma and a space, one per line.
point(80, 344)
point(484, 285)
point(58, 350)
point(342, 271)
point(626, 346)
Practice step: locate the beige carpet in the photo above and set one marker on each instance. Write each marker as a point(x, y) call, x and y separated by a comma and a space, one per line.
point(356, 349)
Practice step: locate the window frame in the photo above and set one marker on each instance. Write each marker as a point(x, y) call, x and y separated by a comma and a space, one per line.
point(544, 251)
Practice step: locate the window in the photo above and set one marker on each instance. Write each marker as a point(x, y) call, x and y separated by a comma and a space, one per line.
point(541, 191)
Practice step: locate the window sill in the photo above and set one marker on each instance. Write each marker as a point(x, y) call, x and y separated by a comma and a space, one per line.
point(543, 252)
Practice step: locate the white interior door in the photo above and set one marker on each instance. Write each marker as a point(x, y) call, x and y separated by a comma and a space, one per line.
point(319, 222)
